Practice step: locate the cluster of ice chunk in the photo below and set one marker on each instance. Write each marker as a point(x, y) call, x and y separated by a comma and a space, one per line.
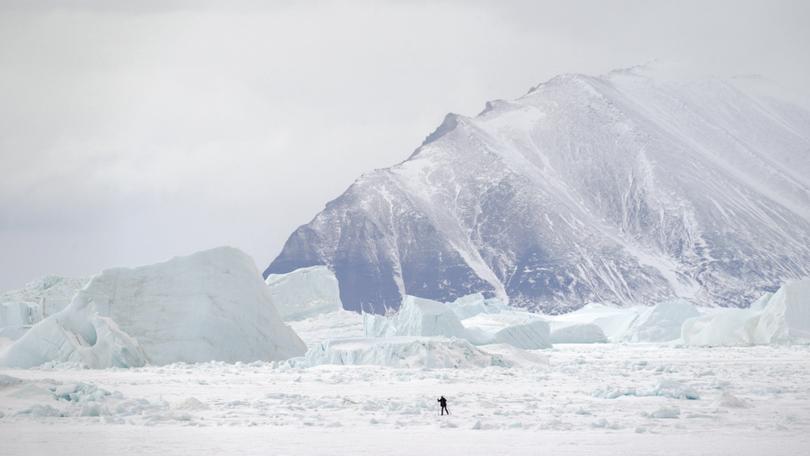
point(470, 332)
point(486, 323)
point(51, 398)
point(782, 317)
point(669, 388)
point(211, 305)
point(412, 352)
point(603, 323)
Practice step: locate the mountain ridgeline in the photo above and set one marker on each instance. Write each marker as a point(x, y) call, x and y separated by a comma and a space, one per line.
point(624, 188)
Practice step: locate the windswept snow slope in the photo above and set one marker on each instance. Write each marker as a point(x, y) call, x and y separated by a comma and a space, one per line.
point(211, 305)
point(626, 188)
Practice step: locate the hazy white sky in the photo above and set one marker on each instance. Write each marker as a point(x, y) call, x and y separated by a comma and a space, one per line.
point(135, 132)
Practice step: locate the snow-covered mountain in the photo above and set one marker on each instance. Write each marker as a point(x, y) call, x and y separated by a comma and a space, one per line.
point(629, 188)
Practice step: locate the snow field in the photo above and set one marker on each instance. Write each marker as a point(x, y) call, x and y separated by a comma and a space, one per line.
point(584, 392)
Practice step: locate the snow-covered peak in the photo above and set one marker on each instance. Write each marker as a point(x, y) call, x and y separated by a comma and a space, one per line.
point(632, 187)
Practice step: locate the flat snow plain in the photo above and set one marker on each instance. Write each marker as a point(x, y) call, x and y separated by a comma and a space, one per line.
point(623, 399)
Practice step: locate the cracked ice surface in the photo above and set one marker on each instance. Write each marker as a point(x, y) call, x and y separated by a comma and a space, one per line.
point(639, 399)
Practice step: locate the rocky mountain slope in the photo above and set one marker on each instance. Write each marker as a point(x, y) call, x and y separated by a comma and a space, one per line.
point(627, 188)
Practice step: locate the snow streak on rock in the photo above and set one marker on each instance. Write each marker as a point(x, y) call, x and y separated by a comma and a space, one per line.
point(624, 188)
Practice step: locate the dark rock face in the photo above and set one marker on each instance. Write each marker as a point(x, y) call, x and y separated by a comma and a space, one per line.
point(620, 188)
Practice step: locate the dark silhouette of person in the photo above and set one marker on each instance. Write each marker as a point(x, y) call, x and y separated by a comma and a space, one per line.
point(443, 403)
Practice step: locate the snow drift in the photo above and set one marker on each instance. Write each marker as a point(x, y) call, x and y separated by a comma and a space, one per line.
point(304, 292)
point(211, 305)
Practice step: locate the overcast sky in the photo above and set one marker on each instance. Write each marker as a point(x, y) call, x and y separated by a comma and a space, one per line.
point(132, 133)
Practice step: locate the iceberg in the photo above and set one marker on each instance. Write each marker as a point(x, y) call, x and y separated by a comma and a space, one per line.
point(416, 317)
point(492, 323)
point(577, 333)
point(615, 322)
point(51, 293)
point(211, 305)
point(784, 319)
point(661, 323)
point(474, 304)
point(17, 317)
point(304, 292)
point(725, 327)
point(516, 328)
point(410, 352)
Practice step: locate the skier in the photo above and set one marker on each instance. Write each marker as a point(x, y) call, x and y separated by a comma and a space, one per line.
point(443, 403)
